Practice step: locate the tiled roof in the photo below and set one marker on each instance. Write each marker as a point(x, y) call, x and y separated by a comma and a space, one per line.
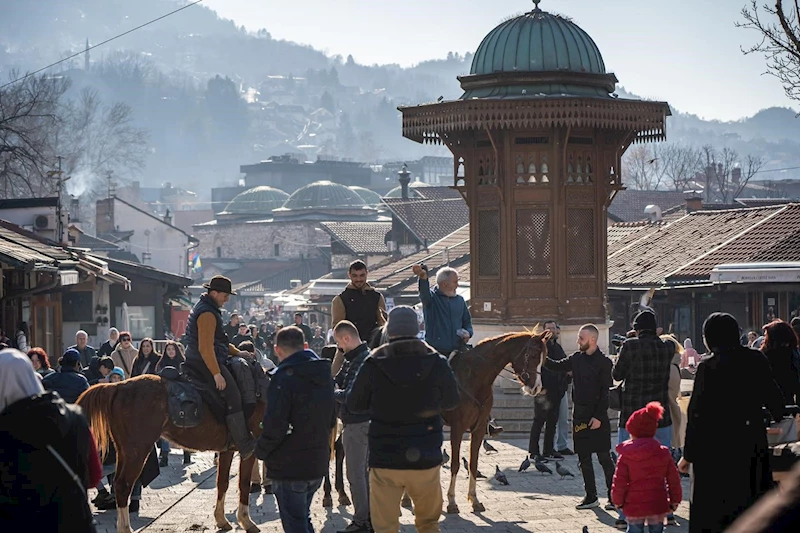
point(94, 243)
point(762, 202)
point(628, 205)
point(21, 246)
point(360, 237)
point(438, 193)
point(452, 249)
point(649, 259)
point(430, 220)
point(786, 249)
point(770, 231)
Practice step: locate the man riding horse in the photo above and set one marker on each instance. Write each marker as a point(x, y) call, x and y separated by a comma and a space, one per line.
point(207, 352)
point(448, 324)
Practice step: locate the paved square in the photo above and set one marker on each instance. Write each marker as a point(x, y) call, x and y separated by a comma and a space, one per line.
point(531, 502)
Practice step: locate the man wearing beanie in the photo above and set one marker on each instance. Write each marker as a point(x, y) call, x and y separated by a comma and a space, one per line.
point(644, 367)
point(647, 485)
point(68, 382)
point(404, 385)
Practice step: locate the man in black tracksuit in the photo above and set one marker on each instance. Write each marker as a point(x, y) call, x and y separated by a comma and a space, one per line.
point(591, 428)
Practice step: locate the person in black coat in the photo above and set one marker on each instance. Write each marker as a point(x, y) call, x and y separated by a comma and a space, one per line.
point(780, 348)
point(546, 407)
point(147, 359)
point(295, 442)
point(68, 382)
point(404, 385)
point(726, 439)
point(591, 428)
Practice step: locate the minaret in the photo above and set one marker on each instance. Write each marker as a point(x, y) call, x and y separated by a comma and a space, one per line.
point(86, 56)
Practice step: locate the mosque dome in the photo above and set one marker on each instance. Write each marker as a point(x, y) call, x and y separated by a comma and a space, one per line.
point(397, 192)
point(324, 195)
point(371, 198)
point(256, 201)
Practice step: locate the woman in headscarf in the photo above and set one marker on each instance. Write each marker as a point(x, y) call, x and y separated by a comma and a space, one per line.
point(726, 439)
point(46, 466)
point(690, 357)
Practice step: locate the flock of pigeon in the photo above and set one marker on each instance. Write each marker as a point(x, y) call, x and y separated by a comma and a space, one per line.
point(500, 477)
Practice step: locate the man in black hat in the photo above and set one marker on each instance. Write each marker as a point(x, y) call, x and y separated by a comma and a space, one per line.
point(207, 351)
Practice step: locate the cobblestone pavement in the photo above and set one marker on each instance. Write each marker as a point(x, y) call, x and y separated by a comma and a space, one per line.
point(182, 499)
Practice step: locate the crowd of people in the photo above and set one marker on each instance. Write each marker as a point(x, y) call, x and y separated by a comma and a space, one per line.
point(386, 387)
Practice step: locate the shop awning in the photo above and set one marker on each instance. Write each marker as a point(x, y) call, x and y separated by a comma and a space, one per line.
point(756, 273)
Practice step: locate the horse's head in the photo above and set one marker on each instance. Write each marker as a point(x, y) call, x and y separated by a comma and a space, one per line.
point(529, 350)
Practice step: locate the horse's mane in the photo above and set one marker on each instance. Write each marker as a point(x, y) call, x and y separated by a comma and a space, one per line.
point(506, 337)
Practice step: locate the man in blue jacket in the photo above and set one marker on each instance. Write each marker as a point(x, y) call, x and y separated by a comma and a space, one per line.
point(68, 382)
point(448, 324)
point(295, 442)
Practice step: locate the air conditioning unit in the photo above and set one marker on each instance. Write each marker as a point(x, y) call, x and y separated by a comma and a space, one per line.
point(294, 283)
point(44, 222)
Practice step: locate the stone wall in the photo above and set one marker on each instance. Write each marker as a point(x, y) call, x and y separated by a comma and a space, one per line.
point(258, 240)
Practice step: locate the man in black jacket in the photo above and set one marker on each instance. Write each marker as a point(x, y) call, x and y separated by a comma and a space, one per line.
point(591, 428)
point(405, 385)
point(295, 442)
point(546, 406)
point(68, 382)
point(356, 425)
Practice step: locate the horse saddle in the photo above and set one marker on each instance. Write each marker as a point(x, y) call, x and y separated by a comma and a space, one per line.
point(184, 401)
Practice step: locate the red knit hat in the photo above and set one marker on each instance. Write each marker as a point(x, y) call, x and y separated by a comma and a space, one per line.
point(644, 422)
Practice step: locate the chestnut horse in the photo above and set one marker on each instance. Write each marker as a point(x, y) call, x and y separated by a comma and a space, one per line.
point(133, 413)
point(475, 371)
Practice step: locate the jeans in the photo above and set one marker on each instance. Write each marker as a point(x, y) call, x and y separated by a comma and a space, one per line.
point(294, 503)
point(640, 528)
point(355, 440)
point(563, 428)
point(663, 436)
point(165, 448)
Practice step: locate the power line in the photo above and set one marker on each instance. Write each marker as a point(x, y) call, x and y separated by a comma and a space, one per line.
point(28, 75)
point(775, 170)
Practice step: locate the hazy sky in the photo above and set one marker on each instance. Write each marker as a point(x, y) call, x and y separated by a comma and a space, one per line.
point(686, 52)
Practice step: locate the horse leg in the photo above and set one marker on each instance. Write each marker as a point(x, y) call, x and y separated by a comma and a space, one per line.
point(129, 468)
point(327, 500)
point(344, 499)
point(455, 453)
point(223, 475)
point(243, 513)
point(476, 439)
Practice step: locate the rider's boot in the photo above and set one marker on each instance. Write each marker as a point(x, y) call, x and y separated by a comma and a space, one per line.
point(241, 435)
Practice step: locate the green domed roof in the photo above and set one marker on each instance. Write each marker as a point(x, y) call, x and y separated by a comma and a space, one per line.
point(537, 42)
point(324, 195)
point(371, 198)
point(256, 201)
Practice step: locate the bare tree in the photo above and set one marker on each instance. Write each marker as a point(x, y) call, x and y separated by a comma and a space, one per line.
point(680, 165)
point(726, 174)
point(779, 40)
point(643, 168)
point(29, 116)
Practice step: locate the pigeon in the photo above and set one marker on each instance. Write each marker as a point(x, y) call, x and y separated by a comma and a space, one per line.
point(585, 529)
point(445, 457)
point(465, 463)
point(488, 447)
point(543, 468)
point(526, 464)
point(499, 476)
point(478, 475)
point(562, 471)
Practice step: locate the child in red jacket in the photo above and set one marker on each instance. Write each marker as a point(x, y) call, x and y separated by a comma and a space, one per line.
point(647, 485)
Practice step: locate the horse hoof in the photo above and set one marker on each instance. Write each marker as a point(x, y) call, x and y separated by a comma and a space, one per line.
point(225, 527)
point(478, 508)
point(407, 503)
point(327, 502)
point(452, 508)
point(253, 529)
point(344, 500)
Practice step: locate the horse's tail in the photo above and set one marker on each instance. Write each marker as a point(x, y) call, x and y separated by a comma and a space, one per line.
point(96, 403)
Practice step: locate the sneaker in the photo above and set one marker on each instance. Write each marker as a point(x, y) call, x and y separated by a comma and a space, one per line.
point(355, 528)
point(554, 456)
point(494, 430)
point(620, 524)
point(566, 451)
point(672, 522)
point(107, 503)
point(539, 458)
point(588, 503)
point(101, 495)
point(610, 506)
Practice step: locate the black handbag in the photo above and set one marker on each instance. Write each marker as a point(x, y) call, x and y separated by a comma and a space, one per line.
point(615, 397)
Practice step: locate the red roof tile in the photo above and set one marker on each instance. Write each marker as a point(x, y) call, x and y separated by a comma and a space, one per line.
point(430, 220)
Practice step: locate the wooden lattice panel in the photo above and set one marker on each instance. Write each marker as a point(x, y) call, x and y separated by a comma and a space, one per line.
point(580, 242)
point(534, 245)
point(488, 242)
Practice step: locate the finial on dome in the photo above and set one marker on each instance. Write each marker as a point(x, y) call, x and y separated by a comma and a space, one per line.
point(536, 3)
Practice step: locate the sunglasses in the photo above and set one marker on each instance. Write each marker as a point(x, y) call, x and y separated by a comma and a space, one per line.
point(125, 339)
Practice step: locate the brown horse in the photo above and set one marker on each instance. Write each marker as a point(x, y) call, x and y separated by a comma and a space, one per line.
point(133, 413)
point(475, 371)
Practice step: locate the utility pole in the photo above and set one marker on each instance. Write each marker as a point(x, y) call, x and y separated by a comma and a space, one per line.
point(62, 216)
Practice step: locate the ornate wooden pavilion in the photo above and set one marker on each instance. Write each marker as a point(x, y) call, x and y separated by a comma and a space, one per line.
point(537, 139)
